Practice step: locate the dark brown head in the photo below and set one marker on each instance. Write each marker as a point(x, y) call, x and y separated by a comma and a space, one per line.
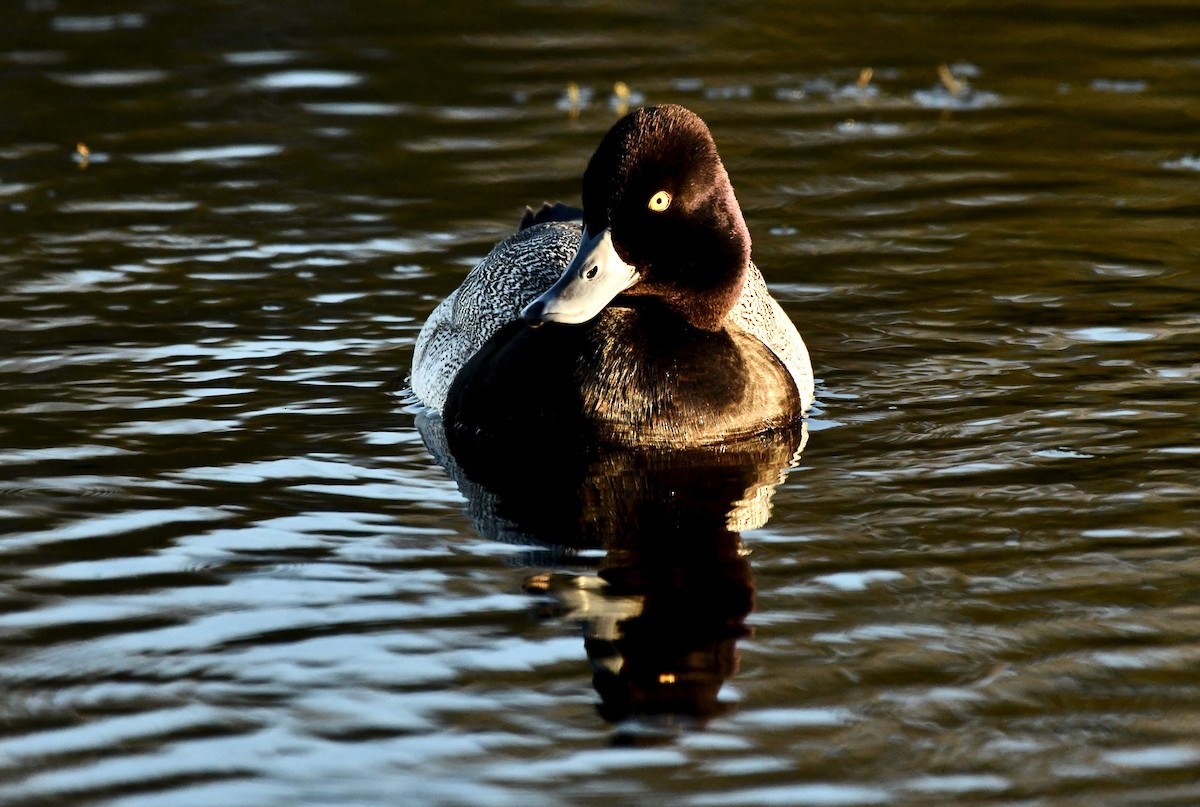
point(660, 219)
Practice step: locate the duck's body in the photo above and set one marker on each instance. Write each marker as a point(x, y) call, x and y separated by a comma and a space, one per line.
point(664, 332)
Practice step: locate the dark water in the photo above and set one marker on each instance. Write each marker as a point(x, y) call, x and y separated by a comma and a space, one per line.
point(233, 574)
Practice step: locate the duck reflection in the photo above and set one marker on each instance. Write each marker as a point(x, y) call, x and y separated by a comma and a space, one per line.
point(662, 615)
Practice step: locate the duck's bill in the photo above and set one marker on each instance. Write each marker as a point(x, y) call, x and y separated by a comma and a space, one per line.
point(594, 277)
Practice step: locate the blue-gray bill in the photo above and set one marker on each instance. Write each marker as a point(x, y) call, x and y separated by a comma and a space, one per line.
point(594, 277)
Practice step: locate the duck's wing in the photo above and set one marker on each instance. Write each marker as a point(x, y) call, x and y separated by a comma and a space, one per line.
point(758, 313)
point(517, 270)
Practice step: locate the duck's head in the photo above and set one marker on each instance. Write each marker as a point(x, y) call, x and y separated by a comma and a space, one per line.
point(660, 219)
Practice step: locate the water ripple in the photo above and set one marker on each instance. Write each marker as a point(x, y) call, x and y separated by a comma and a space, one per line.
point(234, 575)
point(306, 79)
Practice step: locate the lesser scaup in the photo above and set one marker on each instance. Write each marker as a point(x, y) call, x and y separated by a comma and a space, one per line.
point(658, 328)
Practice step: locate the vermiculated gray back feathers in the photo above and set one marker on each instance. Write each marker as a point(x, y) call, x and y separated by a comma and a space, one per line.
point(758, 313)
point(517, 269)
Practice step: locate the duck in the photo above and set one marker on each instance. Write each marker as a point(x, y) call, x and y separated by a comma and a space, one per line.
point(638, 320)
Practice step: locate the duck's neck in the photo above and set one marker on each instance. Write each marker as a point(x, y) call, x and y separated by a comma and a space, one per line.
point(720, 261)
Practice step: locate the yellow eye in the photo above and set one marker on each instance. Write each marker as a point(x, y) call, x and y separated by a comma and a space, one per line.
point(660, 201)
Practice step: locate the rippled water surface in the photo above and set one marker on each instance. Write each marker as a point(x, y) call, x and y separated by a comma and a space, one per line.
point(232, 573)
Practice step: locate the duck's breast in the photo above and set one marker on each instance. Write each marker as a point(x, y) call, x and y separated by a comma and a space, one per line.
point(625, 378)
point(654, 380)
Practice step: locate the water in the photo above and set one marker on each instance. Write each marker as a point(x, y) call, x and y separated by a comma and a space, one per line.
point(233, 574)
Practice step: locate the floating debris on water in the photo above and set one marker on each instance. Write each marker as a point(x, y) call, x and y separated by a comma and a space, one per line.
point(953, 92)
point(623, 98)
point(953, 86)
point(574, 99)
point(862, 90)
point(82, 154)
